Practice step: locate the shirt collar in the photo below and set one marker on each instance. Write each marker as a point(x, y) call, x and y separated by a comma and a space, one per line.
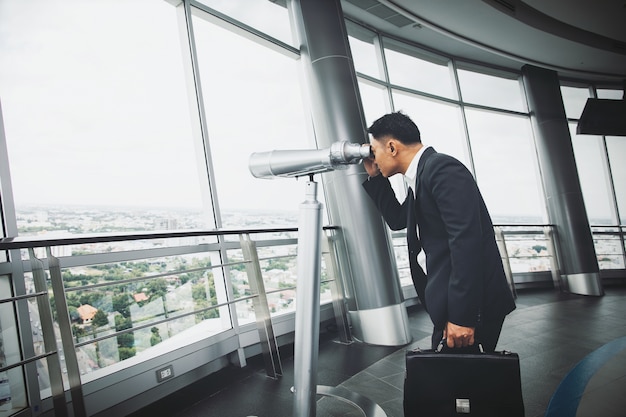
point(411, 172)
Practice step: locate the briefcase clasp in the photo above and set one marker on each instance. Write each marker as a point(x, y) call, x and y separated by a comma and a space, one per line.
point(462, 405)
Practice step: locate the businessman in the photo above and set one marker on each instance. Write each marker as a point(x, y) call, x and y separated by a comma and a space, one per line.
point(464, 288)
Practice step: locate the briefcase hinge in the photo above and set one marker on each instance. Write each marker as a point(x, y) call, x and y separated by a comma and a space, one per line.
point(462, 406)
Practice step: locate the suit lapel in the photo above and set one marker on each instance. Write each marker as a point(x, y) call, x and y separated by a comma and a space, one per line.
point(411, 228)
point(420, 167)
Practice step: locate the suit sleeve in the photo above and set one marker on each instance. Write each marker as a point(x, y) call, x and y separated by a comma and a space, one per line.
point(460, 204)
point(394, 213)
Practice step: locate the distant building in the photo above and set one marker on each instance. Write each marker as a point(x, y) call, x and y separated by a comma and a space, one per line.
point(140, 296)
point(86, 313)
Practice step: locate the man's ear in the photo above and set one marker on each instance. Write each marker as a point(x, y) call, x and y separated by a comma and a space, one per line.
point(392, 147)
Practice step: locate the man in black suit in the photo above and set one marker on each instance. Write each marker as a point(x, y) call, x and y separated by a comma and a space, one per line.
point(464, 289)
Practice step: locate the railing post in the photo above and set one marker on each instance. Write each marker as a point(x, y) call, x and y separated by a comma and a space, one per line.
point(268, 342)
point(620, 233)
point(548, 231)
point(504, 254)
point(67, 339)
point(339, 306)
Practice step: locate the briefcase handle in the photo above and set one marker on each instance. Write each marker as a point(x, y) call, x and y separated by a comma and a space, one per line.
point(475, 348)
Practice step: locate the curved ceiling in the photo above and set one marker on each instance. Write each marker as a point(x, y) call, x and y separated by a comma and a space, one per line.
point(581, 39)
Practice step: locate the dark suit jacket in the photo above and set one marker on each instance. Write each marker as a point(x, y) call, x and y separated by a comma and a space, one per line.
point(465, 280)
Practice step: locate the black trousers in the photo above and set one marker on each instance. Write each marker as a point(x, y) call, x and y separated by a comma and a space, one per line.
point(487, 334)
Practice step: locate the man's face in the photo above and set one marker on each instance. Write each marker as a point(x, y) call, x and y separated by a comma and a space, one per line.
point(383, 149)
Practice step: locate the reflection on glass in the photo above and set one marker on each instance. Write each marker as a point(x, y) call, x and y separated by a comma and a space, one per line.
point(574, 100)
point(506, 166)
point(616, 147)
point(416, 70)
point(401, 252)
point(488, 90)
point(594, 178)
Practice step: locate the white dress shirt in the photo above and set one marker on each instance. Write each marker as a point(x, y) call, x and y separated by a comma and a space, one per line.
point(409, 178)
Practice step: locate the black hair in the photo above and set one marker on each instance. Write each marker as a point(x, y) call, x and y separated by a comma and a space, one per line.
point(398, 125)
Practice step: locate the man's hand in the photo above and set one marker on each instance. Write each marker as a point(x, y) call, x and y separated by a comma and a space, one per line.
point(458, 336)
point(371, 167)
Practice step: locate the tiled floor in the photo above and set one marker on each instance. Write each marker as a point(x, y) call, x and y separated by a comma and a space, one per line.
point(550, 331)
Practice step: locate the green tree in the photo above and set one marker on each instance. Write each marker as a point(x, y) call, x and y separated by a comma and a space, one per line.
point(100, 319)
point(156, 337)
point(126, 352)
point(125, 341)
point(277, 264)
point(157, 288)
point(121, 302)
point(74, 314)
point(78, 332)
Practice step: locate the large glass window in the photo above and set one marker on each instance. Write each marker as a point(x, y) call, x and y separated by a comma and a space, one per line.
point(493, 91)
point(364, 50)
point(506, 166)
point(253, 103)
point(594, 177)
point(574, 100)
point(269, 17)
point(610, 94)
point(375, 99)
point(97, 118)
point(418, 70)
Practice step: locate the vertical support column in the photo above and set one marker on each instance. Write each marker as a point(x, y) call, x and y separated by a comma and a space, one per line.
point(566, 207)
point(269, 346)
point(308, 303)
point(375, 302)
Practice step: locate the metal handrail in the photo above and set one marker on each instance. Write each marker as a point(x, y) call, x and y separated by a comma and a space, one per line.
point(25, 242)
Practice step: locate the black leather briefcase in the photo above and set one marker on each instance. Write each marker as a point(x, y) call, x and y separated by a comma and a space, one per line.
point(454, 383)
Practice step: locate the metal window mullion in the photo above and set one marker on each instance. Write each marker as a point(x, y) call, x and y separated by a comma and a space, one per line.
point(67, 338)
point(461, 104)
point(193, 69)
point(8, 223)
point(382, 64)
point(609, 175)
